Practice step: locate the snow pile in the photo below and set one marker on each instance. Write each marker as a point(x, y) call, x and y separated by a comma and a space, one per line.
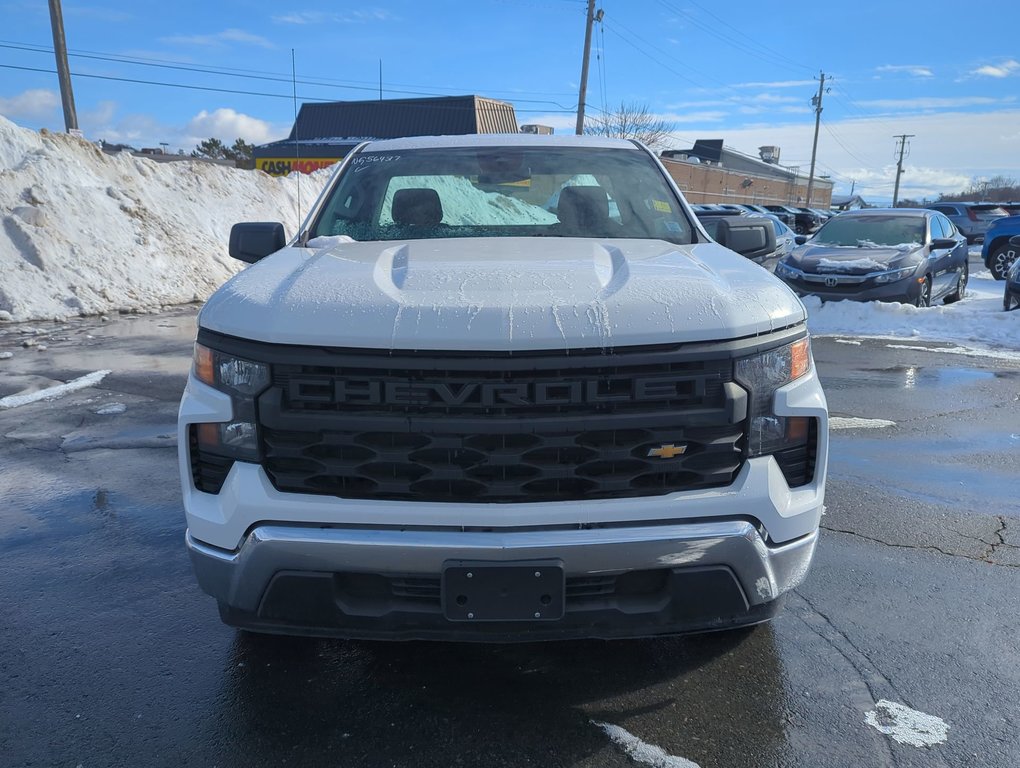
point(977, 321)
point(87, 233)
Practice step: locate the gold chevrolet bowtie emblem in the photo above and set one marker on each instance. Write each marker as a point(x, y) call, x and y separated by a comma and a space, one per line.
point(667, 451)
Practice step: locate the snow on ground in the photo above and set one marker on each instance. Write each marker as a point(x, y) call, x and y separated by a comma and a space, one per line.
point(87, 233)
point(977, 324)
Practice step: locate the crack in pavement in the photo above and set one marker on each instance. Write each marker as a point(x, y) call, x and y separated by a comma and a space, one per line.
point(983, 558)
point(869, 674)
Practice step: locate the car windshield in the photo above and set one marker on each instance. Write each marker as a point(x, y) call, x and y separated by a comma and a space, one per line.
point(530, 191)
point(872, 231)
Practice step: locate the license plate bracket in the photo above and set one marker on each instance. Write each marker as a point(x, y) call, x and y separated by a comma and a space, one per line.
point(503, 591)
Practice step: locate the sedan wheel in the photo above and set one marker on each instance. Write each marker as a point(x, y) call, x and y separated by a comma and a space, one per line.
point(924, 297)
point(1001, 259)
point(961, 285)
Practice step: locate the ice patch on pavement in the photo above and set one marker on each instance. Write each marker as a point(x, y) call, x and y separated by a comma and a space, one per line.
point(965, 351)
point(52, 393)
point(848, 341)
point(906, 725)
point(853, 422)
point(111, 408)
point(642, 752)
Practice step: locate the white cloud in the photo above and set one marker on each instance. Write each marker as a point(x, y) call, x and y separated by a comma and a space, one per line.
point(101, 115)
point(34, 104)
point(926, 102)
point(226, 124)
point(1004, 69)
point(917, 70)
point(949, 150)
point(707, 116)
point(220, 39)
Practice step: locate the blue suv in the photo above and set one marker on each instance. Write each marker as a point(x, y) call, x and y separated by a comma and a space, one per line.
point(997, 253)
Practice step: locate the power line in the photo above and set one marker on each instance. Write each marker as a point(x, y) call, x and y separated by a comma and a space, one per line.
point(648, 55)
point(211, 89)
point(832, 133)
point(752, 40)
point(706, 77)
point(265, 76)
point(711, 29)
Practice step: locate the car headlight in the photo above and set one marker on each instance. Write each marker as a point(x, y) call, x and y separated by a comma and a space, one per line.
point(785, 270)
point(244, 380)
point(762, 375)
point(893, 275)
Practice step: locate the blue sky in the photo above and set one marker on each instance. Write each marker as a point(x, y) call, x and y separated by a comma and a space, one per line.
point(744, 72)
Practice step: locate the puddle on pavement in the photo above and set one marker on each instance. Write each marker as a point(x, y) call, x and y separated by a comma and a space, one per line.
point(913, 377)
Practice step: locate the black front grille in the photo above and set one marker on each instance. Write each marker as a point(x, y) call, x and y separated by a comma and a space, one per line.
point(543, 429)
point(553, 466)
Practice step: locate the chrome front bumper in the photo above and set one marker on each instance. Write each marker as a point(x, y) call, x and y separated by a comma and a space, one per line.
point(240, 580)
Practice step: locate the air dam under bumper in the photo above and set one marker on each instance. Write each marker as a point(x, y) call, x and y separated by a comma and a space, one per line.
point(631, 581)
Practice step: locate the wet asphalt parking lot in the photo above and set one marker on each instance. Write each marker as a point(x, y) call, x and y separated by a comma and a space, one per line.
point(111, 656)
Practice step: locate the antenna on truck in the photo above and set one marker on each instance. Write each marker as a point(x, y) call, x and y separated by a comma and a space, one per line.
point(297, 141)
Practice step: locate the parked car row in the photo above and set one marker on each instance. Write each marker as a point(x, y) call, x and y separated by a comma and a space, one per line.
point(917, 256)
point(974, 219)
point(801, 220)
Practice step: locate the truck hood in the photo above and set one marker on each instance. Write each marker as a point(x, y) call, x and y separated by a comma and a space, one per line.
point(501, 294)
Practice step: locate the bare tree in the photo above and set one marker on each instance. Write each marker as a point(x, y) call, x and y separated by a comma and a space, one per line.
point(631, 121)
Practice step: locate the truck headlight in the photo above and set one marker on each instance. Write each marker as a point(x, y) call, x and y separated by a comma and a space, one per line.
point(244, 380)
point(762, 375)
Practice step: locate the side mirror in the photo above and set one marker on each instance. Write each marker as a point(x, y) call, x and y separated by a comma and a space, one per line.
point(1015, 241)
point(942, 243)
point(750, 237)
point(800, 239)
point(255, 240)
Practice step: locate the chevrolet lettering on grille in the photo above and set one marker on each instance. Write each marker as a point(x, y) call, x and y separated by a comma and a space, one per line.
point(375, 392)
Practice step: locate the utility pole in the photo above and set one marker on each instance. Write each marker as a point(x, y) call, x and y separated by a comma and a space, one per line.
point(817, 102)
point(899, 165)
point(589, 21)
point(63, 72)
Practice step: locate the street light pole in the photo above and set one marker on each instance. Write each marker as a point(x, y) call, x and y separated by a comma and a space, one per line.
point(63, 72)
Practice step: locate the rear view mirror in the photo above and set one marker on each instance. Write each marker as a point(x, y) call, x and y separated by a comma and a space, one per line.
point(750, 237)
point(1015, 241)
point(255, 240)
point(942, 243)
point(800, 239)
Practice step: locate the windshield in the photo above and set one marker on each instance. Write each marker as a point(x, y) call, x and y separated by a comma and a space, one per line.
point(872, 231)
point(538, 191)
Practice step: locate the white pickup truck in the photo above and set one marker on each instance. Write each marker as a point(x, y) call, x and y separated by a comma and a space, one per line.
point(501, 388)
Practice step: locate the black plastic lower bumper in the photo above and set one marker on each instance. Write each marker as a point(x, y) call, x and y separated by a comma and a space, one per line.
point(659, 602)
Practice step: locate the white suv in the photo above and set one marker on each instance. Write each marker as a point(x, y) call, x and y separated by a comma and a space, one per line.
point(501, 388)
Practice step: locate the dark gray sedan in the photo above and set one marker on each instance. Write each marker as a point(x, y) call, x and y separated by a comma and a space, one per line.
point(889, 254)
